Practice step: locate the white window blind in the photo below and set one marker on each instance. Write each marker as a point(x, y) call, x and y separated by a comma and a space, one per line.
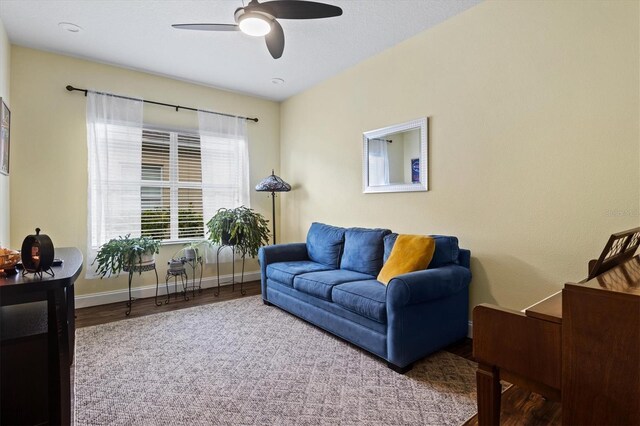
point(171, 185)
point(151, 195)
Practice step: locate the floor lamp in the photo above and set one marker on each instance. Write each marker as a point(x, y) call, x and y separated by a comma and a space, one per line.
point(273, 184)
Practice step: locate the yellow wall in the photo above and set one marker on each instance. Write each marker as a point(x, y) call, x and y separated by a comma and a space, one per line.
point(5, 65)
point(49, 154)
point(533, 142)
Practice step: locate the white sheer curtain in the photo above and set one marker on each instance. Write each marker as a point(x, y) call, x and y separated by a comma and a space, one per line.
point(378, 162)
point(225, 166)
point(114, 145)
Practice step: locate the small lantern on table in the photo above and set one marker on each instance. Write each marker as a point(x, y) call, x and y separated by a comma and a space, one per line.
point(37, 254)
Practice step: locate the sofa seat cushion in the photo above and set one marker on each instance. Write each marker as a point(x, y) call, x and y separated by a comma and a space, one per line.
point(363, 250)
point(367, 298)
point(285, 272)
point(319, 284)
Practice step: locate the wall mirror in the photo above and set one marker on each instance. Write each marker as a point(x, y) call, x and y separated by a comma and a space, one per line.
point(395, 158)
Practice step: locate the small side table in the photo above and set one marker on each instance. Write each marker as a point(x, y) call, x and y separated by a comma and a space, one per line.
point(233, 270)
point(139, 268)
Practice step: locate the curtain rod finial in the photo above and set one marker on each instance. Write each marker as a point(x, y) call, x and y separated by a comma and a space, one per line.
point(69, 87)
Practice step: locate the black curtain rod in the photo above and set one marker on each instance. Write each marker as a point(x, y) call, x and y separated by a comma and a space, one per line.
point(177, 107)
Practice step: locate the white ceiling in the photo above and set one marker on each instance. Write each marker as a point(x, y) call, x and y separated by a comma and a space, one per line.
point(137, 34)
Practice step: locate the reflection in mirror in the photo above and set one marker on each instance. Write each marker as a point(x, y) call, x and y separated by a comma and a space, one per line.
point(395, 158)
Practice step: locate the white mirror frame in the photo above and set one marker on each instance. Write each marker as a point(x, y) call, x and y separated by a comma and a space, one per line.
point(423, 185)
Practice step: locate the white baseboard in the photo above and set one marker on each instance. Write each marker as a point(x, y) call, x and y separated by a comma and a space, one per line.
point(122, 295)
point(470, 330)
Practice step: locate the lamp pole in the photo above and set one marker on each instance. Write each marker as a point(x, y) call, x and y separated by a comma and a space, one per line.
point(273, 214)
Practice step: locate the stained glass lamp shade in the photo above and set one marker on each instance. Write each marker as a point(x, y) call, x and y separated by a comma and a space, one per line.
point(273, 184)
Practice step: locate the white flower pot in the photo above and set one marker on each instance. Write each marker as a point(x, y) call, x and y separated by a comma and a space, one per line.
point(147, 258)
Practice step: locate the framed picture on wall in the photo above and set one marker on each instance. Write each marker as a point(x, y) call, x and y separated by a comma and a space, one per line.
point(415, 170)
point(5, 122)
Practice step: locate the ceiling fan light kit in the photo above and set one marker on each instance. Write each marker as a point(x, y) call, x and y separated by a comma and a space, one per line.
point(259, 19)
point(255, 24)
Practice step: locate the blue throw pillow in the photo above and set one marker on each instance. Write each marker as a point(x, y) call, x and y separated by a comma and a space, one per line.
point(363, 250)
point(389, 241)
point(324, 244)
point(447, 249)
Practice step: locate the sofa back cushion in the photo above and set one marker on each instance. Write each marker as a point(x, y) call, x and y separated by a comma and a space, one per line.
point(324, 244)
point(447, 250)
point(363, 250)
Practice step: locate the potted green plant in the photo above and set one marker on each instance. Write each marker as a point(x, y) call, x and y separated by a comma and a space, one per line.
point(241, 227)
point(220, 226)
point(120, 254)
point(191, 250)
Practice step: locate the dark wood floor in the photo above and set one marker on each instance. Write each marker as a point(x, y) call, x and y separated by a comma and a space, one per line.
point(102, 314)
point(519, 407)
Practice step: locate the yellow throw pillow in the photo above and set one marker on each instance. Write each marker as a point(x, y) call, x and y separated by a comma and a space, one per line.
point(410, 253)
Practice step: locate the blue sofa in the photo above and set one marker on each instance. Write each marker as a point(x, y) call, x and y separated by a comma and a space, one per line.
point(330, 281)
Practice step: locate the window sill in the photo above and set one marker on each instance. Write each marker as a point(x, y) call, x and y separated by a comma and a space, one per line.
point(181, 242)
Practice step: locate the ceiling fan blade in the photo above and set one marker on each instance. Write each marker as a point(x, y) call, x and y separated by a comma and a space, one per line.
point(275, 40)
point(297, 9)
point(207, 27)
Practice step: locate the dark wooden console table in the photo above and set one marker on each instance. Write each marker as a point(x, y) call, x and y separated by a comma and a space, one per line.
point(26, 321)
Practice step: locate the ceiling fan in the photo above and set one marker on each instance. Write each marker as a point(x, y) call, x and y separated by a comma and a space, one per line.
point(259, 19)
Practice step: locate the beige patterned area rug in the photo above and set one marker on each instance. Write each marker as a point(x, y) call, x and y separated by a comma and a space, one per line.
point(244, 363)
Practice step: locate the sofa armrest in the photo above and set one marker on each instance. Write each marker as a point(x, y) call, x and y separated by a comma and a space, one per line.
point(426, 285)
point(278, 253)
point(282, 253)
point(464, 258)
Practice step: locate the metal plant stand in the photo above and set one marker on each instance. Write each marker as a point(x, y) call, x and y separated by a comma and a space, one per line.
point(166, 282)
point(139, 269)
point(233, 270)
point(175, 273)
point(194, 263)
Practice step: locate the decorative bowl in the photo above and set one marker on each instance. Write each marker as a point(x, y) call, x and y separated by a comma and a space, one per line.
point(8, 259)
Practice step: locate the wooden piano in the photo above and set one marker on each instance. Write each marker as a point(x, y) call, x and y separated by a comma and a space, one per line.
point(580, 346)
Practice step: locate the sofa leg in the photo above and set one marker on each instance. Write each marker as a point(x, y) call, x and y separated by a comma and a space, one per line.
point(399, 370)
point(266, 302)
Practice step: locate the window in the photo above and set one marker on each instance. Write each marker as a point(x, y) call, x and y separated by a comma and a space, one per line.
point(159, 182)
point(171, 185)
